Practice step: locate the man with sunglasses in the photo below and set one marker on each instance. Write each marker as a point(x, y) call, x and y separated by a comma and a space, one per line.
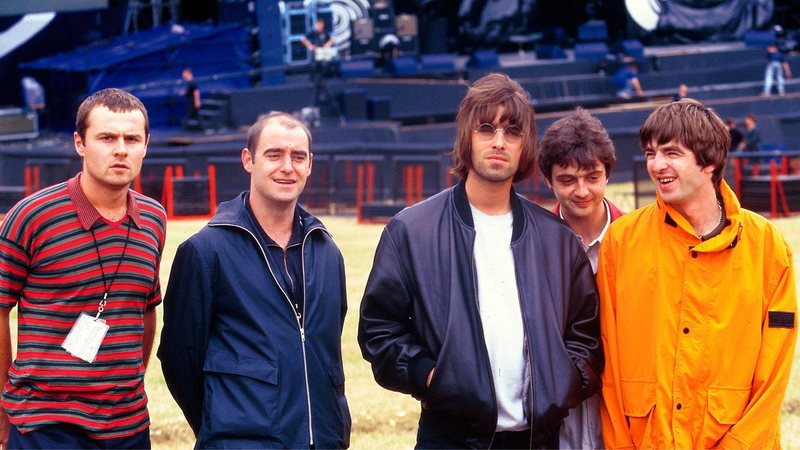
point(480, 303)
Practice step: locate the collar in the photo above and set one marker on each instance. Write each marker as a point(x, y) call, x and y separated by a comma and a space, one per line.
point(605, 227)
point(465, 213)
point(725, 239)
point(297, 224)
point(87, 213)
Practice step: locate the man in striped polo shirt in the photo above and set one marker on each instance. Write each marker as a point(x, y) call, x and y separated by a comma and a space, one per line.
point(80, 260)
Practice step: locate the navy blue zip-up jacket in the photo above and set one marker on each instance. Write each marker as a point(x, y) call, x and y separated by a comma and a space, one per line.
point(420, 310)
point(246, 371)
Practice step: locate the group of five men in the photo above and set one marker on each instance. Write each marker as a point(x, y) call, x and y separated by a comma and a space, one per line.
point(481, 304)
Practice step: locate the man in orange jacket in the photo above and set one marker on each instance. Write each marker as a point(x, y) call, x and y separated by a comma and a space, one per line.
point(698, 302)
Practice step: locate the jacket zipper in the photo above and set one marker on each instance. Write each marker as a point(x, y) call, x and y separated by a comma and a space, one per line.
point(297, 317)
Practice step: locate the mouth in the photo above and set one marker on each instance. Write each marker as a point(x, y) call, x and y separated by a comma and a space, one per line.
point(283, 181)
point(119, 167)
point(665, 180)
point(582, 204)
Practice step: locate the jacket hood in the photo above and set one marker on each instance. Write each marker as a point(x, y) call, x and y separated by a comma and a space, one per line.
point(234, 212)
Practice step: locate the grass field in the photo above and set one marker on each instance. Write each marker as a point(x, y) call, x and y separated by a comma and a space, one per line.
point(383, 419)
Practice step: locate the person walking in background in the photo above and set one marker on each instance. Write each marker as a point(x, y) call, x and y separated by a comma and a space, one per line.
point(736, 136)
point(626, 79)
point(698, 301)
point(777, 70)
point(576, 157)
point(752, 135)
point(480, 303)
point(80, 261)
point(193, 103)
point(254, 310)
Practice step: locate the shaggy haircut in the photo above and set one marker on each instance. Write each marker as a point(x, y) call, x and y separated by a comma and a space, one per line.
point(484, 98)
point(115, 100)
point(284, 119)
point(578, 139)
point(691, 124)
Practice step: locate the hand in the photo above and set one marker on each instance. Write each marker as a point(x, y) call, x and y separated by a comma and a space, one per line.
point(430, 377)
point(4, 427)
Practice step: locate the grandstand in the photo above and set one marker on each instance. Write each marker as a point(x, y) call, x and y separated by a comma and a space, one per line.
point(384, 133)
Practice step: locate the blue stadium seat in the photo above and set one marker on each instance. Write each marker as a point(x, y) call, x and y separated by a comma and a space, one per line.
point(439, 62)
point(591, 51)
point(593, 30)
point(550, 51)
point(359, 68)
point(403, 66)
point(484, 59)
point(632, 48)
point(759, 38)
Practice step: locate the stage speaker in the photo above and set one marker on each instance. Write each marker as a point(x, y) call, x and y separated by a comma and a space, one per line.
point(484, 59)
point(363, 38)
point(354, 103)
point(407, 33)
point(296, 52)
point(295, 18)
point(363, 29)
point(406, 25)
point(383, 16)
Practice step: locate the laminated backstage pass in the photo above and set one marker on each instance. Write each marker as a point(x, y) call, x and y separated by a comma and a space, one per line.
point(85, 337)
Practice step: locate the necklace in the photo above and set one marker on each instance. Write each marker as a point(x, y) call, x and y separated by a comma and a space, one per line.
point(719, 222)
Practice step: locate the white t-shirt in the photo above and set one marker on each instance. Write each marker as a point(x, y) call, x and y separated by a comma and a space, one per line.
point(501, 316)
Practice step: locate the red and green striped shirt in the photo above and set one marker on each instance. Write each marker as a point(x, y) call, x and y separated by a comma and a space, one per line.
point(49, 269)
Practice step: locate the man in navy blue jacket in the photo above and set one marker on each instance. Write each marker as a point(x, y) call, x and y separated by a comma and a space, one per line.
point(253, 315)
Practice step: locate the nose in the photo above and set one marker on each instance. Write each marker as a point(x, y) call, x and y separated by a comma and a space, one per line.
point(581, 189)
point(286, 163)
point(121, 147)
point(499, 137)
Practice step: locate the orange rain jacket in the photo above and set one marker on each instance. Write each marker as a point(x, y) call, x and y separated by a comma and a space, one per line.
point(698, 336)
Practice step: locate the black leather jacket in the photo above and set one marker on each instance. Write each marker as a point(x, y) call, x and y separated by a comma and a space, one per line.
point(420, 310)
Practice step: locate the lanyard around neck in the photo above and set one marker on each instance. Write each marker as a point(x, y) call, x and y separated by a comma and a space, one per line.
point(107, 285)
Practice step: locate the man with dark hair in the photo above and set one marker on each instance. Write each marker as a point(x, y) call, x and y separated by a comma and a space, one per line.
point(576, 157)
point(480, 303)
point(80, 260)
point(698, 301)
point(254, 310)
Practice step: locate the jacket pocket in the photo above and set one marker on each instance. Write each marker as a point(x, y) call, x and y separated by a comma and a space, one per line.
point(638, 397)
point(639, 402)
point(241, 395)
point(337, 380)
point(726, 404)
